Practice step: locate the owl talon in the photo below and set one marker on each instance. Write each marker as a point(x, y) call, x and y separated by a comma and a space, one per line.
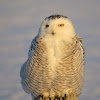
point(67, 92)
point(52, 98)
point(61, 98)
point(45, 96)
point(41, 98)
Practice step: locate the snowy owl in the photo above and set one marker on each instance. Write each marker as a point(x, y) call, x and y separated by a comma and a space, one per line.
point(55, 65)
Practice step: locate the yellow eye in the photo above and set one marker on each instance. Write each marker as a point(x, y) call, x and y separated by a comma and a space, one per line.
point(60, 25)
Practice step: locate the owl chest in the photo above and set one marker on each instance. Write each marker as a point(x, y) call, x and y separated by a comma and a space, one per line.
point(55, 52)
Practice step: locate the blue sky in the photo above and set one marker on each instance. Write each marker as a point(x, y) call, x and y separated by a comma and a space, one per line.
point(19, 23)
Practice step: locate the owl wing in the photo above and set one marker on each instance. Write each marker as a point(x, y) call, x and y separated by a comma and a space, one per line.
point(33, 70)
point(27, 66)
point(78, 66)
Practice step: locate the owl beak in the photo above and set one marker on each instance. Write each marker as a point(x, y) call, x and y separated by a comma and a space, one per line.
point(53, 33)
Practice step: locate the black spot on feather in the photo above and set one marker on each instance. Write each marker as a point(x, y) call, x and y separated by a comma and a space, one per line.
point(55, 16)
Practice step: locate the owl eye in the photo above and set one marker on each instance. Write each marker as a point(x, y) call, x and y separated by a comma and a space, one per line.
point(60, 25)
point(46, 26)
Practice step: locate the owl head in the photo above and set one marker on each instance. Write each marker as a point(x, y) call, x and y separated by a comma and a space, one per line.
point(57, 26)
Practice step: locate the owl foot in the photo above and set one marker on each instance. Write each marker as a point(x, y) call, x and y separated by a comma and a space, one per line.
point(65, 95)
point(45, 96)
point(67, 92)
point(69, 95)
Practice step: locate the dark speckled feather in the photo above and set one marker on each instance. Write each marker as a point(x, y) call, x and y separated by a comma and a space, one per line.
point(55, 16)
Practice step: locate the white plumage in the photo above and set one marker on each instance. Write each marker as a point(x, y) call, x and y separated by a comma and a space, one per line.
point(55, 65)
